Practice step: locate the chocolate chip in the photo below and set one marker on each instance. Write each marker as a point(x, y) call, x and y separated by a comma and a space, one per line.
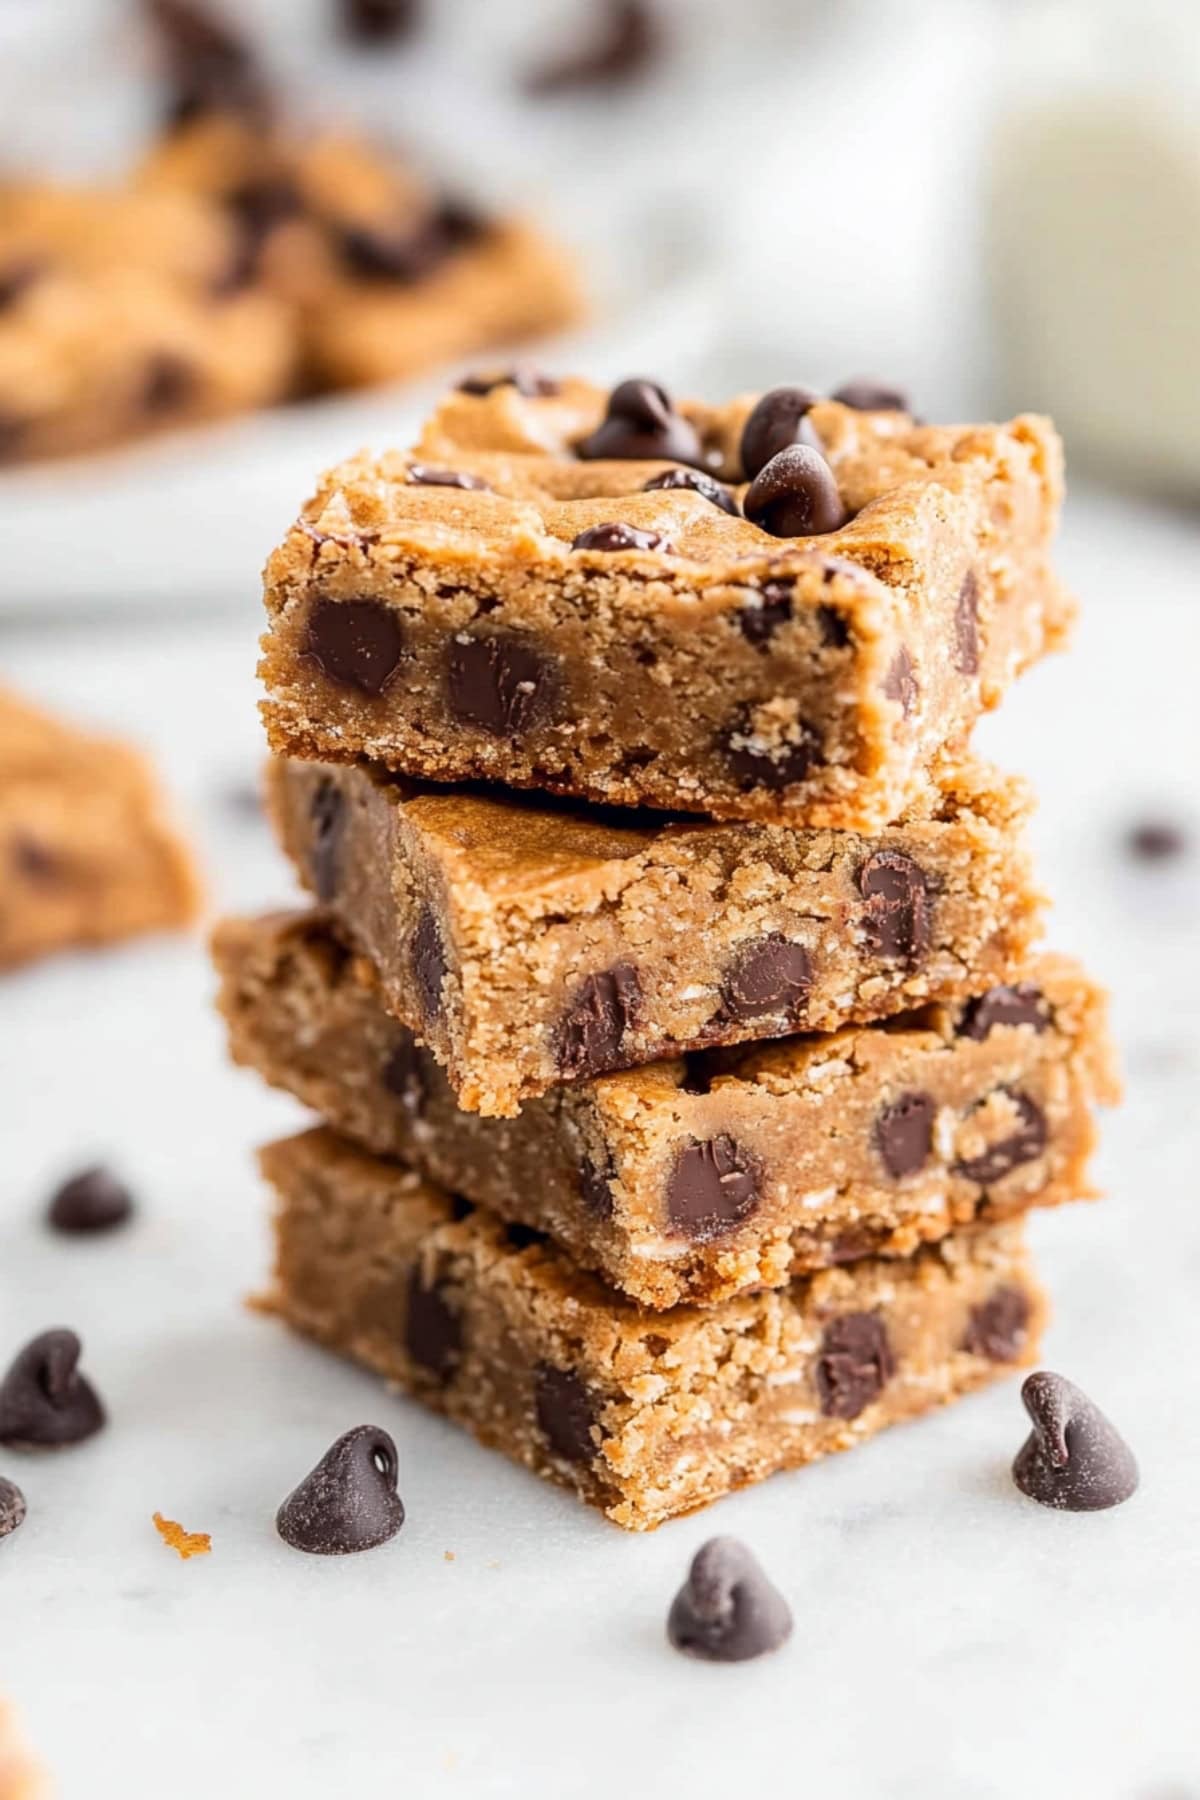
point(758, 762)
point(867, 395)
point(727, 1610)
point(618, 536)
point(595, 1188)
point(601, 1010)
point(900, 682)
point(425, 476)
point(93, 1200)
point(835, 630)
point(760, 622)
point(697, 482)
point(565, 1412)
point(897, 919)
point(359, 643)
point(1023, 1145)
point(12, 1507)
point(1074, 1459)
point(404, 1076)
point(528, 382)
point(713, 1187)
point(903, 1133)
point(999, 1326)
point(523, 1237)
point(627, 44)
point(855, 1364)
point(402, 253)
point(45, 1403)
point(34, 862)
point(641, 425)
point(429, 965)
point(1157, 840)
point(778, 421)
point(796, 495)
point(16, 278)
point(966, 626)
point(169, 382)
point(210, 67)
point(769, 977)
point(327, 817)
point(502, 684)
point(433, 1334)
point(1022, 1003)
point(379, 21)
point(349, 1501)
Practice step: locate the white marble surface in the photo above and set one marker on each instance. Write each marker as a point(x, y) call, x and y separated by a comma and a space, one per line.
point(952, 1639)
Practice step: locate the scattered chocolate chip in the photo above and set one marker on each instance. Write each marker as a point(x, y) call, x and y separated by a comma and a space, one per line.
point(999, 1326)
point(169, 383)
point(327, 816)
point(45, 1403)
point(867, 395)
point(627, 43)
point(349, 1501)
point(796, 495)
point(433, 1334)
point(778, 421)
point(1157, 840)
point(404, 1076)
point(769, 977)
point(1021, 1146)
point(641, 425)
point(429, 965)
point(760, 622)
point(379, 21)
point(727, 1610)
point(93, 1200)
point(835, 630)
point(12, 1507)
point(903, 1133)
point(897, 918)
point(455, 478)
point(565, 1413)
point(713, 1187)
point(855, 1364)
point(209, 66)
point(359, 643)
point(595, 1188)
point(618, 536)
point(1074, 1459)
point(774, 766)
point(697, 482)
point(16, 278)
point(966, 626)
point(403, 254)
point(500, 683)
point(900, 682)
point(528, 382)
point(592, 1031)
point(1019, 1004)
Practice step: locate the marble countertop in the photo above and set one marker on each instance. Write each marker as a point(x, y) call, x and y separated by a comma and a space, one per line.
point(952, 1640)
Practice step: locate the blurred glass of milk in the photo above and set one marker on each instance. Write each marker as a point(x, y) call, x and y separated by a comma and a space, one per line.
point(1095, 233)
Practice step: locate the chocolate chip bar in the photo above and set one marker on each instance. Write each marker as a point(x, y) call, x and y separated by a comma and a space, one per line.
point(697, 1180)
point(531, 944)
point(779, 611)
point(646, 1415)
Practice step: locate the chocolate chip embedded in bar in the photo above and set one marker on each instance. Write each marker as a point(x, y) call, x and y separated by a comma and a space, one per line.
point(780, 610)
point(645, 1417)
point(531, 943)
point(696, 1180)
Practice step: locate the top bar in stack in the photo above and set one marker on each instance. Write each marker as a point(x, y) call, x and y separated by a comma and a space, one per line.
point(578, 591)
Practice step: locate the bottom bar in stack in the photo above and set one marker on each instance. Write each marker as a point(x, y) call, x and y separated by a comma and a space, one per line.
point(646, 1415)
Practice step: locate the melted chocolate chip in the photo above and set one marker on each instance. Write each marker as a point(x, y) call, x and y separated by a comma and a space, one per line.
point(855, 1364)
point(1021, 1146)
point(527, 381)
point(619, 536)
point(903, 1134)
point(897, 918)
point(429, 965)
point(45, 1403)
point(433, 1334)
point(1074, 1459)
point(327, 821)
point(727, 1610)
point(595, 1187)
point(867, 395)
point(900, 682)
point(404, 1076)
point(778, 421)
point(774, 766)
point(713, 1187)
point(379, 21)
point(769, 977)
point(425, 476)
point(628, 42)
point(565, 1412)
point(760, 623)
point(169, 382)
point(359, 643)
point(94, 1200)
point(602, 1009)
point(1019, 1004)
point(349, 1501)
point(966, 626)
point(795, 495)
point(12, 1507)
point(641, 425)
point(999, 1326)
point(697, 482)
point(501, 684)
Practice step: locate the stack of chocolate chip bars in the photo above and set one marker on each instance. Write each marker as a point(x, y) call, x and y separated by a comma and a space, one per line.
point(670, 996)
